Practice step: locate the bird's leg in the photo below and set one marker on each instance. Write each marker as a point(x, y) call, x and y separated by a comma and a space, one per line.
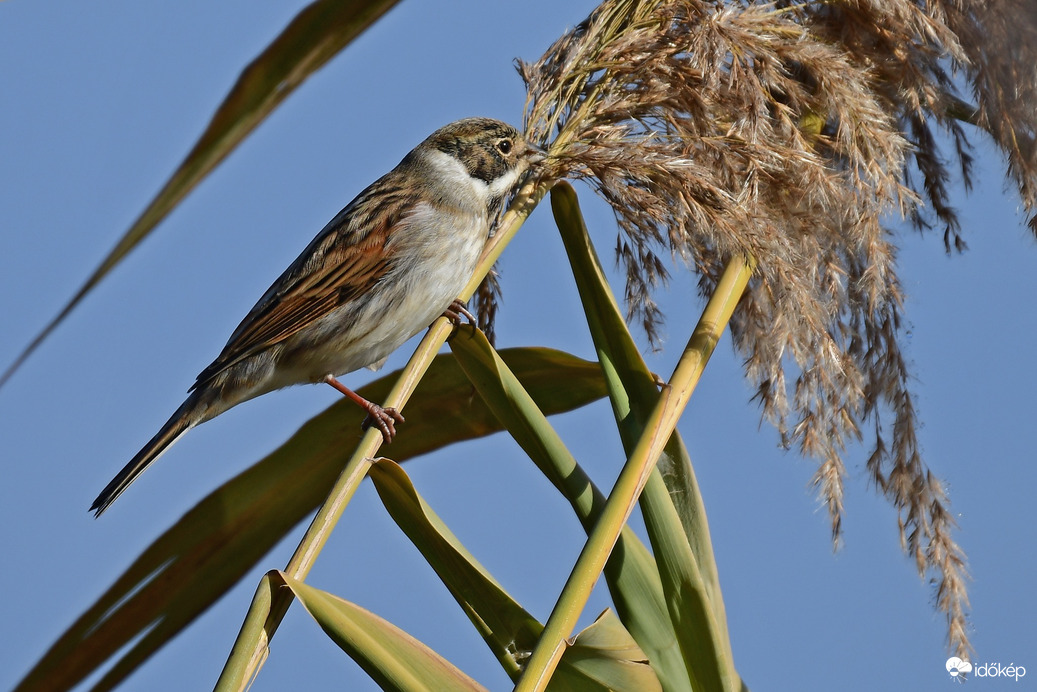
point(384, 418)
point(456, 310)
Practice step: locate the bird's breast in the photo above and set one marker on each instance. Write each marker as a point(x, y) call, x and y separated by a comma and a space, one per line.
point(434, 253)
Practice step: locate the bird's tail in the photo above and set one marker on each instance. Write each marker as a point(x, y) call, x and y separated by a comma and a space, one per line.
point(185, 418)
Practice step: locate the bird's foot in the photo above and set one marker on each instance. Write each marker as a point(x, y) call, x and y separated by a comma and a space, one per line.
point(456, 311)
point(385, 419)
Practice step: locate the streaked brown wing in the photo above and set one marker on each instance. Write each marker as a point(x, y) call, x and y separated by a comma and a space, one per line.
point(343, 262)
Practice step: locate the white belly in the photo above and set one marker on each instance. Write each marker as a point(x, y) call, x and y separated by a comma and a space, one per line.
point(432, 267)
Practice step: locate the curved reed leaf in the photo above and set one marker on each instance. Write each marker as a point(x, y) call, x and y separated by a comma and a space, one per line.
point(312, 38)
point(213, 546)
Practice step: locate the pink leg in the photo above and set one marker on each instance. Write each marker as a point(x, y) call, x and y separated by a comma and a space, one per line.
point(384, 418)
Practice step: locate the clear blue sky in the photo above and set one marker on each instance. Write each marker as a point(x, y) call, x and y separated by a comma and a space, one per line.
point(100, 101)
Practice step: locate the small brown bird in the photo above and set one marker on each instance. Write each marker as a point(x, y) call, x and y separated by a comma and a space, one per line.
point(381, 271)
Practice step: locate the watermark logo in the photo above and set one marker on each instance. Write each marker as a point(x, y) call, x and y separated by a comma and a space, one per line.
point(960, 670)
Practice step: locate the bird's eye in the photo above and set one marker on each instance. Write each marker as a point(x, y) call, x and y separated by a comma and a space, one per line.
point(504, 146)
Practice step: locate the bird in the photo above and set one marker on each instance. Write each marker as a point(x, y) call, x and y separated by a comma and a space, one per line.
point(384, 268)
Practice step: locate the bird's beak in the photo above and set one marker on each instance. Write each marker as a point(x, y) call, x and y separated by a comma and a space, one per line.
point(534, 154)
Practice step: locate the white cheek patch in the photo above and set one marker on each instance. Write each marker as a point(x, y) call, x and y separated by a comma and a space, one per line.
point(454, 174)
point(502, 185)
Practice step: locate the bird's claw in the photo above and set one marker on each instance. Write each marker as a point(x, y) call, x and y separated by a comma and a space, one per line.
point(456, 311)
point(385, 419)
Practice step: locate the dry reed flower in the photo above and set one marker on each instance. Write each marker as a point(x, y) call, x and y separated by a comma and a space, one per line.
point(792, 133)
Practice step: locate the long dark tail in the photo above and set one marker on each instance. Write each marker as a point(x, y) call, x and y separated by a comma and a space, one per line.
point(185, 418)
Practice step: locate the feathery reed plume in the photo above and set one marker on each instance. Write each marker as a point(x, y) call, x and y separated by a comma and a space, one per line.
point(792, 132)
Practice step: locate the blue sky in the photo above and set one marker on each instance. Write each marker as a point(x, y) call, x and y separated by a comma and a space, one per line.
point(100, 102)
